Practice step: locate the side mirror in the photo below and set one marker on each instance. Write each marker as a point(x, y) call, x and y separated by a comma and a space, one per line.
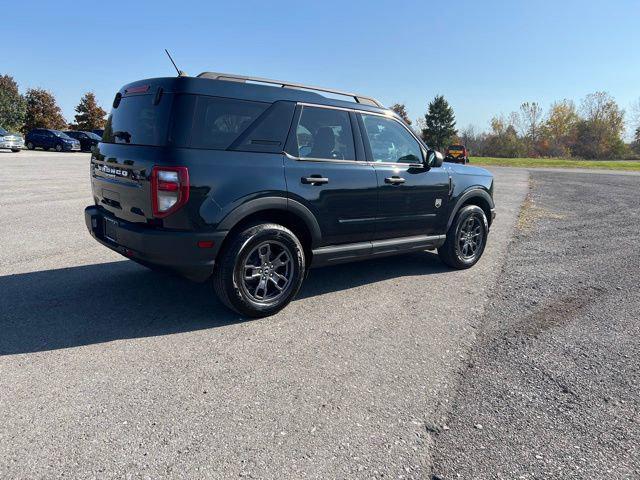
point(434, 159)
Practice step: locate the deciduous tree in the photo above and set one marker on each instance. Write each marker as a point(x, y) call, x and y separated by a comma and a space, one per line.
point(600, 129)
point(89, 115)
point(12, 105)
point(401, 110)
point(42, 111)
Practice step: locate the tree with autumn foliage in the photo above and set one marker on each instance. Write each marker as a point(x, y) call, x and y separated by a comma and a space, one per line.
point(401, 110)
point(12, 104)
point(89, 115)
point(42, 111)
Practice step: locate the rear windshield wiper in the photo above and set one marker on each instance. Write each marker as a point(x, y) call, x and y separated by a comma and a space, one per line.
point(126, 136)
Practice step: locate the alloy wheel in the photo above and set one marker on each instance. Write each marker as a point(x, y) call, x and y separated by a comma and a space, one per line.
point(267, 272)
point(470, 237)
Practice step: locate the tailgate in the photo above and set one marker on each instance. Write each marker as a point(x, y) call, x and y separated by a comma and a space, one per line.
point(120, 180)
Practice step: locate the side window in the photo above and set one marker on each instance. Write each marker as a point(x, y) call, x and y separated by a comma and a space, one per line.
point(390, 142)
point(325, 133)
point(219, 121)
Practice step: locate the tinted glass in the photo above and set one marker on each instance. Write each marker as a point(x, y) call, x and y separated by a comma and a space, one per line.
point(390, 142)
point(219, 121)
point(456, 148)
point(3, 131)
point(325, 133)
point(269, 132)
point(61, 135)
point(137, 121)
point(92, 136)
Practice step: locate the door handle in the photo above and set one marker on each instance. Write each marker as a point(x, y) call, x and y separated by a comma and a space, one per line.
point(314, 180)
point(394, 180)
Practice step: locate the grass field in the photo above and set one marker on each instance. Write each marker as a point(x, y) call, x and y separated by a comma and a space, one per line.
point(557, 163)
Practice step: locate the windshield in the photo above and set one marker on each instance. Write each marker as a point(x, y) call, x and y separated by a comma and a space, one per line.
point(3, 131)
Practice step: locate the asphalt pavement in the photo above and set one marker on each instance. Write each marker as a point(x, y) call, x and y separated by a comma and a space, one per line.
point(109, 370)
point(552, 387)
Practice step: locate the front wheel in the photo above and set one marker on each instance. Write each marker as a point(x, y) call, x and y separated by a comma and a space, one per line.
point(58, 148)
point(260, 270)
point(466, 238)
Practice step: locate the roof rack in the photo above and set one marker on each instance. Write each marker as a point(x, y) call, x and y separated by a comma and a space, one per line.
point(243, 79)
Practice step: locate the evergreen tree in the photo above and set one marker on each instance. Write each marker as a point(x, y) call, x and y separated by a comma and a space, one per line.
point(89, 115)
point(440, 124)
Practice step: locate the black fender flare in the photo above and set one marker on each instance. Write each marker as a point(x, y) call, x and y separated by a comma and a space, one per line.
point(472, 192)
point(273, 203)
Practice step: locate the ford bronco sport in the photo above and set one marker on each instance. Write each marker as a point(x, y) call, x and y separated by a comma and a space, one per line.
point(250, 182)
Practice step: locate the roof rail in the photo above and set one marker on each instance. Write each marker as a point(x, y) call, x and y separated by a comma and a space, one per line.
point(243, 79)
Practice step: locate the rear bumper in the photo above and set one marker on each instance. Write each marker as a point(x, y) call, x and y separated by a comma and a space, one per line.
point(175, 251)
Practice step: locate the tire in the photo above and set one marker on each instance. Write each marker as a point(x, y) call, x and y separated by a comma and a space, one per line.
point(270, 287)
point(31, 146)
point(58, 148)
point(469, 224)
point(15, 150)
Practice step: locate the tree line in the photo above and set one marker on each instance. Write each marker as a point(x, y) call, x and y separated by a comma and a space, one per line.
point(594, 130)
point(38, 108)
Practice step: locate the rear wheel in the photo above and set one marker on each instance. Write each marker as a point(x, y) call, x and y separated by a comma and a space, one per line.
point(30, 146)
point(466, 238)
point(260, 270)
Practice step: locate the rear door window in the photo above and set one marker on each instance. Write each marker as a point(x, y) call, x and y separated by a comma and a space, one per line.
point(325, 133)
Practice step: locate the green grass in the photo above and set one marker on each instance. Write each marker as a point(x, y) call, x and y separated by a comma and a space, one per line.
point(557, 163)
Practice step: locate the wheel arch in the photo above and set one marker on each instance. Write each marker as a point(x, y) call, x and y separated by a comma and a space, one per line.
point(283, 211)
point(474, 196)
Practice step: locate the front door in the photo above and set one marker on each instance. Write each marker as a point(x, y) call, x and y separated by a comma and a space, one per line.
point(326, 171)
point(412, 198)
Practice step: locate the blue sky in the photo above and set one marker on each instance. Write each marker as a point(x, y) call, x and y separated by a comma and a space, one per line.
point(485, 57)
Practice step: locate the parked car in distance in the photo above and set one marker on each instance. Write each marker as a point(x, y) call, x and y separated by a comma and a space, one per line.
point(51, 139)
point(13, 141)
point(249, 182)
point(98, 131)
point(456, 154)
point(86, 139)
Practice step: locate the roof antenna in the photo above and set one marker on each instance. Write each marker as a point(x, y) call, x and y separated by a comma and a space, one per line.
point(180, 72)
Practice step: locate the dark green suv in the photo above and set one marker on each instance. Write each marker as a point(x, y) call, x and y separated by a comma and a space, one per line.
point(250, 182)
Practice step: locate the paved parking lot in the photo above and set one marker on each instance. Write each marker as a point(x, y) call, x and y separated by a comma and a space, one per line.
point(108, 369)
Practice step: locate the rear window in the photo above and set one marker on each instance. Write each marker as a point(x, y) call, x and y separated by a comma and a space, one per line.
point(137, 121)
point(456, 148)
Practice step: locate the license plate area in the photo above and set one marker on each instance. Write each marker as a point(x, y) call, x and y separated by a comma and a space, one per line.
point(110, 229)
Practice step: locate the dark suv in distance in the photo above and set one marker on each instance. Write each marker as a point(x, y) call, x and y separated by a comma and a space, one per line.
point(86, 139)
point(250, 182)
point(51, 139)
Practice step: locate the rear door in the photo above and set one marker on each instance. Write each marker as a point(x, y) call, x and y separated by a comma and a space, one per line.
point(412, 199)
point(326, 171)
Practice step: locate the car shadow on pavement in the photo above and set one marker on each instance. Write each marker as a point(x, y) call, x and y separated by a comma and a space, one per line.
point(77, 306)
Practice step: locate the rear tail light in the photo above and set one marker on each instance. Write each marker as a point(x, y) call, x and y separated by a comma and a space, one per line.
point(169, 189)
